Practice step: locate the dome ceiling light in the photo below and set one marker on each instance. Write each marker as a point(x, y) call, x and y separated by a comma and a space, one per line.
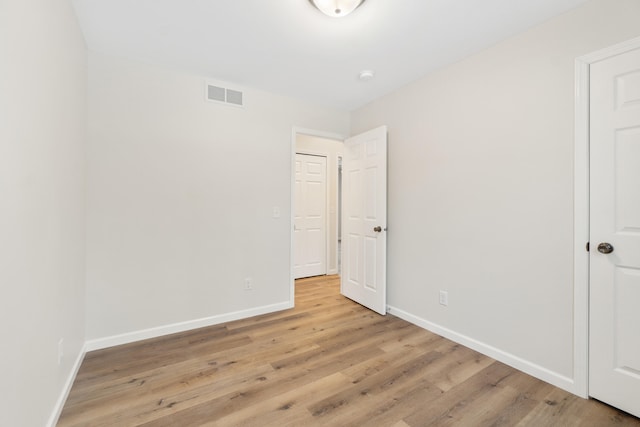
point(336, 8)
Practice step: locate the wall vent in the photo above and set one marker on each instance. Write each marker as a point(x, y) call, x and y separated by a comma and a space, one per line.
point(234, 97)
point(225, 96)
point(215, 93)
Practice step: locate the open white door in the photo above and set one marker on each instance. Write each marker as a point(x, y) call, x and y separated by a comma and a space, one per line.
point(364, 219)
point(614, 326)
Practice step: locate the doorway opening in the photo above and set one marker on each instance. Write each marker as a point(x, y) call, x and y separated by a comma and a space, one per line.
point(315, 145)
point(364, 161)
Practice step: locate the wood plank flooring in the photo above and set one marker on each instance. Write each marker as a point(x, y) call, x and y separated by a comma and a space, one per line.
point(328, 362)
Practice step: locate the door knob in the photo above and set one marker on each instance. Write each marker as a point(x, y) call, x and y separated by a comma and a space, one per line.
point(377, 229)
point(605, 248)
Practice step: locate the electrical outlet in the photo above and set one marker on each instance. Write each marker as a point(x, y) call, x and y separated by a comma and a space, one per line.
point(276, 212)
point(248, 284)
point(60, 350)
point(444, 298)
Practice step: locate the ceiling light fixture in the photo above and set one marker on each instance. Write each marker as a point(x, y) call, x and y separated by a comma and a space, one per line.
point(336, 8)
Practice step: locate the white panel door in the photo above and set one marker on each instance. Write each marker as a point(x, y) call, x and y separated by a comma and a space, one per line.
point(364, 219)
point(310, 218)
point(614, 328)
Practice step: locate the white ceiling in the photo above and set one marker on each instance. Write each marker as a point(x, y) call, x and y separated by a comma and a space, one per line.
point(288, 47)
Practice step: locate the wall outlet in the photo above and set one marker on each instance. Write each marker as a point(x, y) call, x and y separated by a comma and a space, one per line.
point(248, 284)
point(60, 350)
point(276, 212)
point(444, 298)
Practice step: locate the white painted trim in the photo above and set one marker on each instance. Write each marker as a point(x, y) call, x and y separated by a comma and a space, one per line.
point(338, 202)
point(581, 232)
point(101, 343)
point(292, 213)
point(57, 409)
point(317, 133)
point(610, 51)
point(502, 356)
point(581, 211)
point(159, 331)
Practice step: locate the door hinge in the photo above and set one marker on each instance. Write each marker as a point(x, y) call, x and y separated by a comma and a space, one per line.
point(587, 247)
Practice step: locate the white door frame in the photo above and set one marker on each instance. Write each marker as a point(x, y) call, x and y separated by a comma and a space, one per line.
point(581, 213)
point(292, 174)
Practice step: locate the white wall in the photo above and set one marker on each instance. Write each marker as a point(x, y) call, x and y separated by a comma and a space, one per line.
point(480, 190)
point(43, 77)
point(332, 149)
point(181, 195)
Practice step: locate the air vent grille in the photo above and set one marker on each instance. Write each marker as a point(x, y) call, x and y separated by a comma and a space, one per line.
point(234, 97)
point(224, 95)
point(215, 93)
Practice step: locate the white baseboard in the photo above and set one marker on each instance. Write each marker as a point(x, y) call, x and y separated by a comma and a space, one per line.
point(523, 365)
point(101, 343)
point(520, 364)
point(57, 409)
point(126, 338)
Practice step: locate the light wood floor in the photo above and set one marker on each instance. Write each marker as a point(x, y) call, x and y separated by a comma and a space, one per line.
point(328, 362)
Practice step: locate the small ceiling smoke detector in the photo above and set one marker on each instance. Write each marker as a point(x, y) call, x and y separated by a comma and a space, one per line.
point(366, 75)
point(336, 8)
